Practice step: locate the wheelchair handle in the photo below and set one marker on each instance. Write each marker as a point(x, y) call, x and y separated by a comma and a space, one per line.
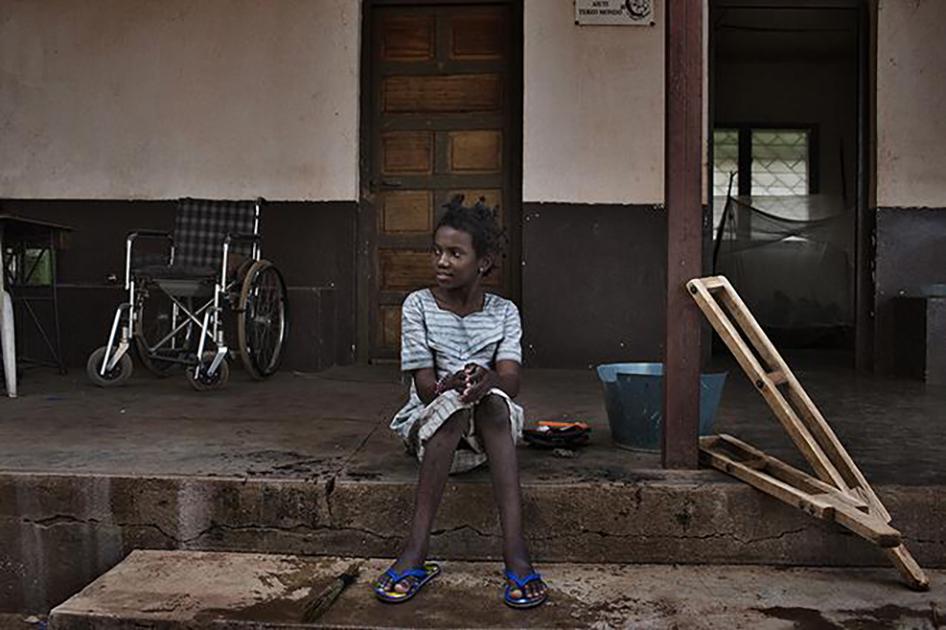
point(130, 241)
point(240, 236)
point(148, 233)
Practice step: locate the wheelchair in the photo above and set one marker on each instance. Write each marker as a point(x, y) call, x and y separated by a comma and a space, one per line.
point(176, 300)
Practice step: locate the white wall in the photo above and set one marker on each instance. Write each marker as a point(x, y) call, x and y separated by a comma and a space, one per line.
point(593, 108)
point(911, 103)
point(163, 98)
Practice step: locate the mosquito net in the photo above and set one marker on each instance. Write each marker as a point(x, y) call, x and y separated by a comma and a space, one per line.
point(790, 257)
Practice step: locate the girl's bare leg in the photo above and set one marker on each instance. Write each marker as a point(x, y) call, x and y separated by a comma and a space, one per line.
point(434, 469)
point(492, 426)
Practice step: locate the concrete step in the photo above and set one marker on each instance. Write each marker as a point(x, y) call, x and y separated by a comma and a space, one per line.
point(62, 531)
point(186, 589)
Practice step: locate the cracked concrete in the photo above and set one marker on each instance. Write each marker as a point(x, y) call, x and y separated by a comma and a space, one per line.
point(177, 590)
point(303, 464)
point(729, 523)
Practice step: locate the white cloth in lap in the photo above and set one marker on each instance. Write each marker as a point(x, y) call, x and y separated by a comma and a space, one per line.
point(432, 337)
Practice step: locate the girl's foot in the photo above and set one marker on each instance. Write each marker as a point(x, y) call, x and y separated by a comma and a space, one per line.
point(524, 590)
point(407, 560)
point(395, 586)
point(525, 587)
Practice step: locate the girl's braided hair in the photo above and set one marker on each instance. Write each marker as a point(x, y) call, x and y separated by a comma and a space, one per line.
point(480, 222)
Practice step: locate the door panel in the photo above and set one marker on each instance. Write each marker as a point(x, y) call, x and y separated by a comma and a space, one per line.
point(407, 38)
point(404, 269)
point(439, 124)
point(478, 36)
point(390, 332)
point(475, 151)
point(404, 152)
point(443, 94)
point(409, 211)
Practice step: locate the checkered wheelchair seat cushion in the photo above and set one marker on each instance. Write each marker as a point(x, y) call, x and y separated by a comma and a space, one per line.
point(202, 225)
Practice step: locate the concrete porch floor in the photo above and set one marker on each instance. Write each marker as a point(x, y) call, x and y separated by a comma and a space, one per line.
point(304, 464)
point(304, 425)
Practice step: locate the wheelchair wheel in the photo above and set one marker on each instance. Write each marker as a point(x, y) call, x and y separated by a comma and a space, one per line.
point(116, 376)
point(204, 382)
point(263, 321)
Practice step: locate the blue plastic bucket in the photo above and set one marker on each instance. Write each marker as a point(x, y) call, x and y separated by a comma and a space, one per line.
point(633, 397)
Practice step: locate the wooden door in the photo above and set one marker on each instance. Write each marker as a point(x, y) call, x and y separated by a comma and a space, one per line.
point(441, 109)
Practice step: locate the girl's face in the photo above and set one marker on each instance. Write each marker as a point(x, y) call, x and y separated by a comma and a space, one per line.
point(455, 260)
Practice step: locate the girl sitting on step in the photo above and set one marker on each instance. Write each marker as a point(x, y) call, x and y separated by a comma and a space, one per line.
point(461, 347)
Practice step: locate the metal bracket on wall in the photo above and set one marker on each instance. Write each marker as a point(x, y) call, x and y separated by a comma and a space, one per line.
point(838, 492)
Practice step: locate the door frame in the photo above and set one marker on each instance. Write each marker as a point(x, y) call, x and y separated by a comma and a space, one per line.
point(366, 223)
point(863, 284)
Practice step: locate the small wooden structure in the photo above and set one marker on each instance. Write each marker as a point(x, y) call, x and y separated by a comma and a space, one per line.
point(838, 492)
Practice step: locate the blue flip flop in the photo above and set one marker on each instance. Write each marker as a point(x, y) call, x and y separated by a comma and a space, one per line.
point(421, 576)
point(523, 602)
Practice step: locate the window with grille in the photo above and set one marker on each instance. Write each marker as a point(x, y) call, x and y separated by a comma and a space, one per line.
point(725, 160)
point(779, 162)
point(767, 161)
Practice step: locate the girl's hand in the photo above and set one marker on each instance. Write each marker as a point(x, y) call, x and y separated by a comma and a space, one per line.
point(455, 381)
point(479, 381)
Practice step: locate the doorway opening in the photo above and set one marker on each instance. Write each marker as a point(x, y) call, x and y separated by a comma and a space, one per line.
point(787, 166)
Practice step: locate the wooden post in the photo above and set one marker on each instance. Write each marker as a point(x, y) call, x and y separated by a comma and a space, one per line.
point(683, 161)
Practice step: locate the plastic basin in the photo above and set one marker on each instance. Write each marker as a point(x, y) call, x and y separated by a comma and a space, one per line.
point(633, 397)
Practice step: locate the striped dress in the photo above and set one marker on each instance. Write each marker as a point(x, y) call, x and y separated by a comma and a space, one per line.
point(432, 337)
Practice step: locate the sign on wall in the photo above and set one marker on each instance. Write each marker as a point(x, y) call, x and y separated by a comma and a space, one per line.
point(615, 12)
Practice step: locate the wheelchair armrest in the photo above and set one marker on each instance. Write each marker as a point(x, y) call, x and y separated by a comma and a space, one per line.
point(130, 241)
